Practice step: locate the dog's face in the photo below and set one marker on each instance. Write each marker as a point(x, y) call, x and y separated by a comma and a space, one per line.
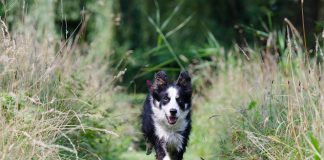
point(171, 101)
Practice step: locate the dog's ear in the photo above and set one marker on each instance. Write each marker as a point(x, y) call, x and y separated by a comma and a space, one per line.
point(184, 81)
point(160, 81)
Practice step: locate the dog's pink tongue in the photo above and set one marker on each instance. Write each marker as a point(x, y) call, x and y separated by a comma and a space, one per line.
point(172, 120)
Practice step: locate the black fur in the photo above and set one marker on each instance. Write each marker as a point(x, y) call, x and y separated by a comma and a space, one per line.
point(183, 85)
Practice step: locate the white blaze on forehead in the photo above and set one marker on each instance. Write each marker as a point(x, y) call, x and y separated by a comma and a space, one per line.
point(172, 104)
point(173, 93)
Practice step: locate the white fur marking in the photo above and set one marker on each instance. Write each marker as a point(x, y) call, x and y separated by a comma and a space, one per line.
point(166, 157)
point(172, 94)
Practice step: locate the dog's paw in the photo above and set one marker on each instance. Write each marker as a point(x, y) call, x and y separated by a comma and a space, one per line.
point(149, 148)
point(148, 151)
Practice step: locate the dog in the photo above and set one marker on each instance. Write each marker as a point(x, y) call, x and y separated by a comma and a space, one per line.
point(166, 116)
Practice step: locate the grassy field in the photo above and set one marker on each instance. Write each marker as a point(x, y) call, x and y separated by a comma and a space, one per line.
point(60, 99)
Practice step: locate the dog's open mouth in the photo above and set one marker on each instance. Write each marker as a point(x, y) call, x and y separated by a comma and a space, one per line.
point(172, 119)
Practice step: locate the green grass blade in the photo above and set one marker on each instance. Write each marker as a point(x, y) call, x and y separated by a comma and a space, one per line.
point(167, 43)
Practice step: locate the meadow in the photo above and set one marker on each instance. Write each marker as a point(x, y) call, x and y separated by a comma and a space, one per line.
point(74, 94)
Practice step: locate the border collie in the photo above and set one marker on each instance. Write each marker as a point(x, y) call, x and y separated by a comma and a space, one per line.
point(166, 118)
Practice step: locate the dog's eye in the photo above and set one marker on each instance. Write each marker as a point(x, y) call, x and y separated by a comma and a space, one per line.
point(179, 100)
point(166, 98)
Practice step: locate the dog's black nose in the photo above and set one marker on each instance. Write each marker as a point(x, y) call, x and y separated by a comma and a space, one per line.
point(173, 112)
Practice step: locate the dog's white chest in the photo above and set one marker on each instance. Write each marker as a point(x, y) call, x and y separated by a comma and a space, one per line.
point(174, 140)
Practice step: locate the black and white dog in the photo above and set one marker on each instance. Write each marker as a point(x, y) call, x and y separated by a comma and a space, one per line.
point(166, 118)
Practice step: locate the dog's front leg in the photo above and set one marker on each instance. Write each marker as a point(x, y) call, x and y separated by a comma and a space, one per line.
point(161, 151)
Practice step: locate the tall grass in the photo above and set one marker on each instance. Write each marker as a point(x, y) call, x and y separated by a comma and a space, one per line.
point(52, 98)
point(30, 125)
point(270, 109)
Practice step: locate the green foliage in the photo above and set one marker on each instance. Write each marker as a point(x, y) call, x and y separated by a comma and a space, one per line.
point(171, 35)
point(9, 105)
point(315, 146)
point(252, 105)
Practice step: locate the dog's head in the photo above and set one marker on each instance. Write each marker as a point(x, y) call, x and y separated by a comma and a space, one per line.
point(172, 101)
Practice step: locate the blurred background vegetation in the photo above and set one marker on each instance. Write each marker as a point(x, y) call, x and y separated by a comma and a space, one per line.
point(190, 27)
point(114, 46)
